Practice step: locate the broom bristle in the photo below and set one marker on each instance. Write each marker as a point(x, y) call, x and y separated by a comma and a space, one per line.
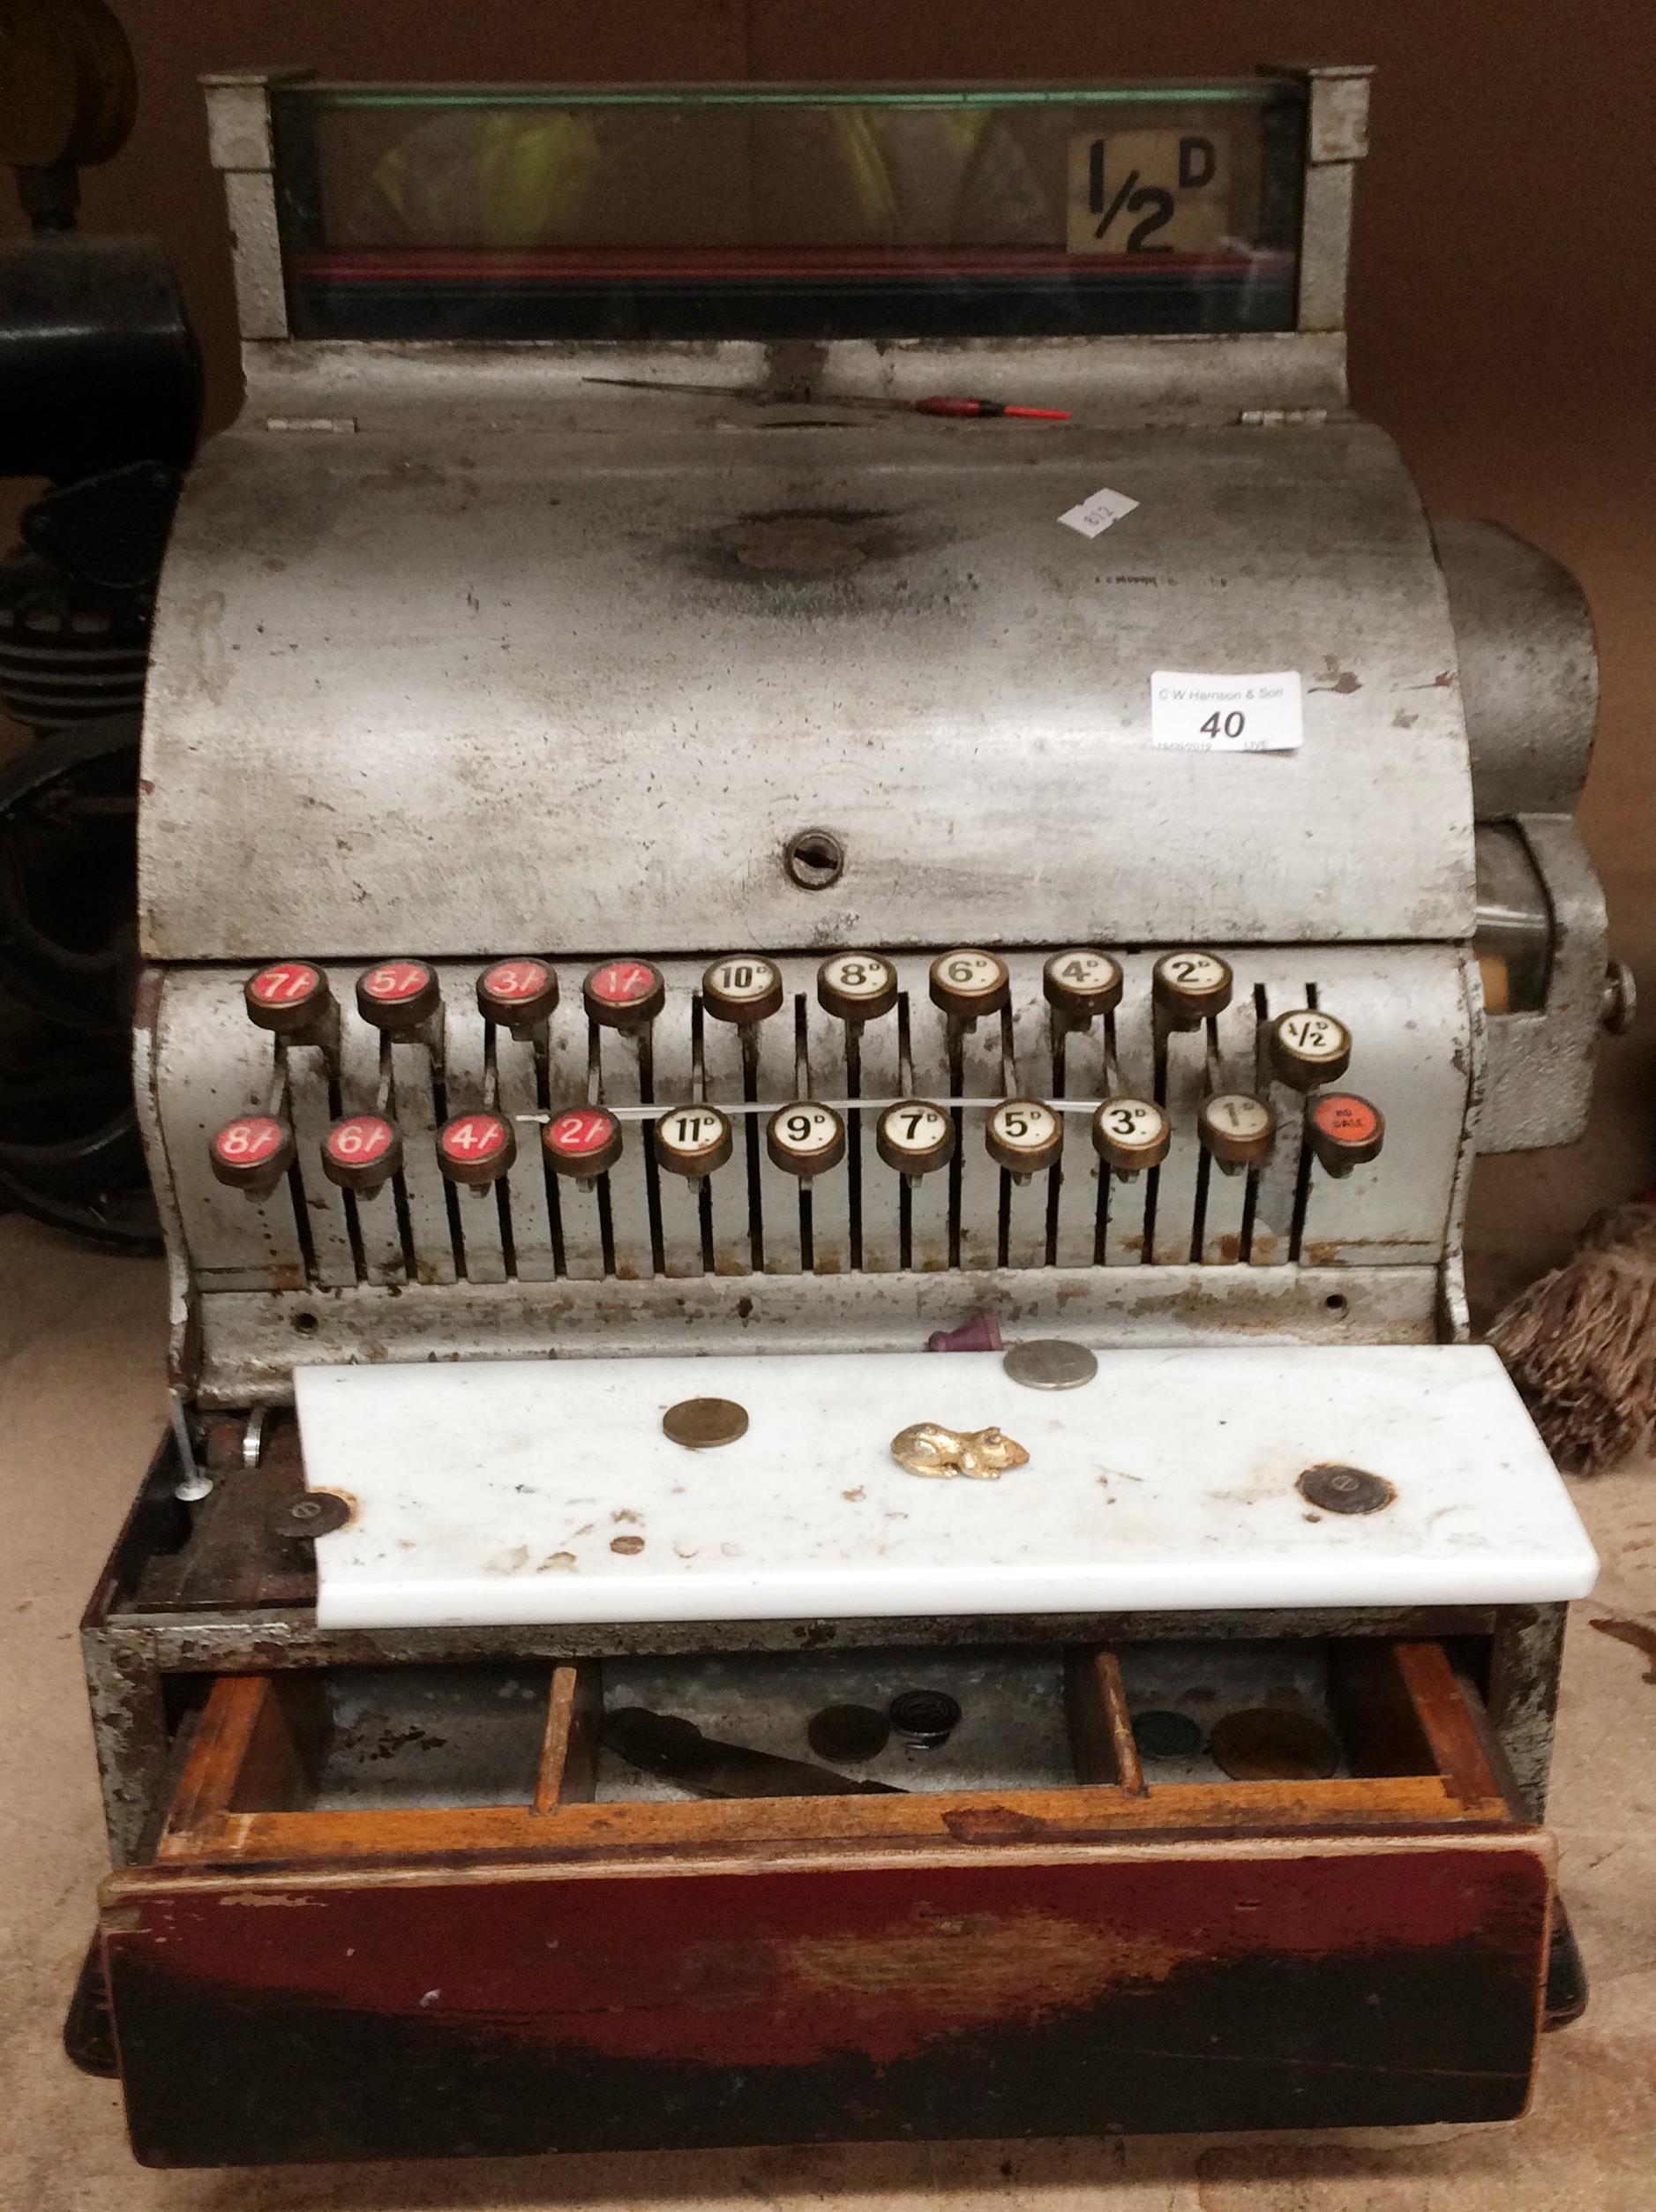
point(1581, 1343)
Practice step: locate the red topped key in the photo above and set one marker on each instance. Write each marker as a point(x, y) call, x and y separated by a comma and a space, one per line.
point(1345, 1131)
point(625, 993)
point(290, 998)
point(582, 1142)
point(252, 1153)
point(362, 1153)
point(517, 993)
point(476, 1148)
point(397, 995)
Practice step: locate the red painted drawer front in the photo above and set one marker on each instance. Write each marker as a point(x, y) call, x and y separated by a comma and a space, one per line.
point(1200, 1985)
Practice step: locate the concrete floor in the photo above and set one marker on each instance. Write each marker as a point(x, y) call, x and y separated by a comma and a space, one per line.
point(81, 1404)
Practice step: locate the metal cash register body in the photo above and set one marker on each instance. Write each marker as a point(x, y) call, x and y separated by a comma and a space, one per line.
point(674, 877)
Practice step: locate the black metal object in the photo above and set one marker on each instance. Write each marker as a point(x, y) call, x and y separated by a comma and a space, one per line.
point(1165, 1735)
point(70, 1149)
point(89, 2028)
point(303, 1519)
point(98, 363)
point(71, 650)
point(848, 1731)
point(101, 390)
point(68, 92)
point(926, 1718)
point(676, 1750)
point(110, 529)
point(1565, 1998)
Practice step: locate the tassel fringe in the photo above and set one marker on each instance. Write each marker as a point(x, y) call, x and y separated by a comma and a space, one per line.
point(1580, 1343)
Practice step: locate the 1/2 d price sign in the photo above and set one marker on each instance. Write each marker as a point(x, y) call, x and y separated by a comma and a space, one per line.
point(1145, 192)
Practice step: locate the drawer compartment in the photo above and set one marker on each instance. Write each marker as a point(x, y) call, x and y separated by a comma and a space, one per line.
point(355, 1942)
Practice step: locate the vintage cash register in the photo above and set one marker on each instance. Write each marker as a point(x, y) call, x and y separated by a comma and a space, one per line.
point(834, 884)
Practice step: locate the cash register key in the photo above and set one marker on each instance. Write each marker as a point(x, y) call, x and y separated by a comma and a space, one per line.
point(1238, 1129)
point(914, 1136)
point(476, 1149)
point(290, 998)
point(399, 996)
point(857, 987)
point(1309, 1049)
point(1024, 1137)
point(966, 984)
point(252, 1153)
point(1081, 984)
point(694, 1140)
point(518, 994)
point(1345, 1131)
point(1130, 1134)
point(742, 989)
point(361, 1153)
point(1189, 987)
point(583, 1142)
point(624, 994)
point(805, 1138)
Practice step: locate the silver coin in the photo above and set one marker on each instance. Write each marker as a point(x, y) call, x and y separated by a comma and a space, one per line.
point(1049, 1363)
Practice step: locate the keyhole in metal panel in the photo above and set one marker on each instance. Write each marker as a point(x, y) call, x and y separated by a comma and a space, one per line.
point(814, 859)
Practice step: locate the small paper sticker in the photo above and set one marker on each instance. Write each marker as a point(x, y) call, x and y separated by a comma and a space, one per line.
point(1096, 513)
point(1227, 714)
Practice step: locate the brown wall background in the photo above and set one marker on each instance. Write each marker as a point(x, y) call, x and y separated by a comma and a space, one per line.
point(1503, 323)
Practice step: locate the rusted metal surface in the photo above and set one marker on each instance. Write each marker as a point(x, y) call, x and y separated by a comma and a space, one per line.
point(1540, 1064)
point(1529, 672)
point(1530, 679)
point(135, 1651)
point(125, 1691)
point(132, 1659)
point(282, 1282)
point(239, 143)
point(254, 1340)
point(1526, 1657)
point(1148, 382)
point(1144, 1987)
point(1407, 1012)
point(912, 683)
point(236, 1555)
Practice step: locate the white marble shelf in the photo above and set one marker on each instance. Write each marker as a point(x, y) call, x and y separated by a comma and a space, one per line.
point(498, 1492)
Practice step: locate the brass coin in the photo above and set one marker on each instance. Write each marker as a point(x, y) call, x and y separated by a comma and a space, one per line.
point(699, 1423)
point(1339, 1489)
point(1264, 1743)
